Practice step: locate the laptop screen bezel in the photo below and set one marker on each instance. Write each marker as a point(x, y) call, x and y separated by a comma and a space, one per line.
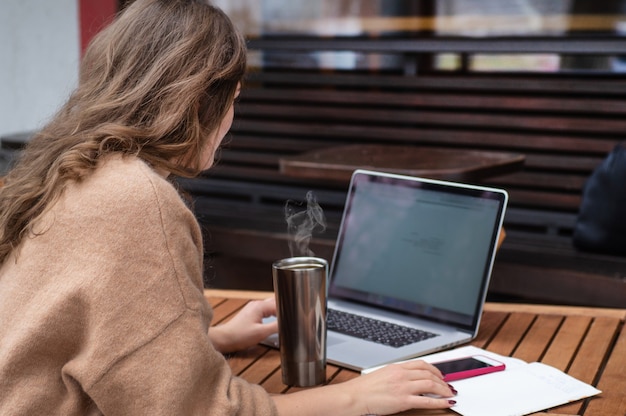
point(470, 322)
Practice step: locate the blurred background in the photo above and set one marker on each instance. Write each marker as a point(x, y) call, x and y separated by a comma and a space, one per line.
point(42, 40)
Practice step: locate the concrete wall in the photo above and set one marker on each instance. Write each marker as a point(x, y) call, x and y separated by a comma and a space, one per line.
point(39, 57)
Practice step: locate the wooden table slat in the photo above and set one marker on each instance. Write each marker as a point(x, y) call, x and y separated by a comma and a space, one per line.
point(561, 310)
point(590, 358)
point(214, 301)
point(226, 309)
point(538, 338)
point(341, 376)
point(592, 353)
point(261, 369)
point(612, 383)
point(566, 342)
point(242, 360)
point(511, 333)
point(274, 383)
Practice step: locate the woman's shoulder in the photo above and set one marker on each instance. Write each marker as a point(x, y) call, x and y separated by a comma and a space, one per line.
point(123, 184)
point(120, 174)
point(124, 191)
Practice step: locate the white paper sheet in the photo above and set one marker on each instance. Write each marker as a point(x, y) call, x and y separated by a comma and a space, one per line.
point(520, 389)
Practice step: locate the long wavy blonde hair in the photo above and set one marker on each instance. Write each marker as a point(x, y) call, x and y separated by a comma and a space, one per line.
point(155, 83)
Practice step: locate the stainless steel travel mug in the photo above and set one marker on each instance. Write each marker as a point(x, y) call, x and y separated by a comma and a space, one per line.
point(300, 290)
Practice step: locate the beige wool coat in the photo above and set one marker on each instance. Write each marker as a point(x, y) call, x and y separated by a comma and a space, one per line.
point(102, 311)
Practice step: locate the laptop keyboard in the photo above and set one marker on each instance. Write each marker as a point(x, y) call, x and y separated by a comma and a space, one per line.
point(374, 330)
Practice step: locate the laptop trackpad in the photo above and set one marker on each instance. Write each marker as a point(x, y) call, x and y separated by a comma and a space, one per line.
point(333, 340)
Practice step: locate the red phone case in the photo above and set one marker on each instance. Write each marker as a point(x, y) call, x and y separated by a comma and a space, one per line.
point(496, 366)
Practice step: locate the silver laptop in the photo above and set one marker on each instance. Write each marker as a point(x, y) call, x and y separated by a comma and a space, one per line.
point(416, 254)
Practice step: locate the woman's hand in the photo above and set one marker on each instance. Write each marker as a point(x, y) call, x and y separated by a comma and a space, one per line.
point(246, 328)
point(392, 389)
point(399, 387)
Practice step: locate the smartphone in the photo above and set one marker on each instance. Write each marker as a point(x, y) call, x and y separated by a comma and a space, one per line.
point(466, 367)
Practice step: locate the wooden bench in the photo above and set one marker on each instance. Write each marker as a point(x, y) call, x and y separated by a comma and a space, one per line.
point(563, 124)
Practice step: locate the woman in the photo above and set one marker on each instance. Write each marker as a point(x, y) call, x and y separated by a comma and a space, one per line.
point(101, 298)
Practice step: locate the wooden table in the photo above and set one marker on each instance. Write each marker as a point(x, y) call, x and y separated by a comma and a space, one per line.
point(338, 163)
point(587, 343)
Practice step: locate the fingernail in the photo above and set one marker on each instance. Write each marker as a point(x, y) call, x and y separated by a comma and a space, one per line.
point(452, 389)
point(452, 402)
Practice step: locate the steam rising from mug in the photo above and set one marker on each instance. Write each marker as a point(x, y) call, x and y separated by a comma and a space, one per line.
point(301, 224)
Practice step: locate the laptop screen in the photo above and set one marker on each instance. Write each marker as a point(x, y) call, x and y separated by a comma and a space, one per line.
point(417, 246)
